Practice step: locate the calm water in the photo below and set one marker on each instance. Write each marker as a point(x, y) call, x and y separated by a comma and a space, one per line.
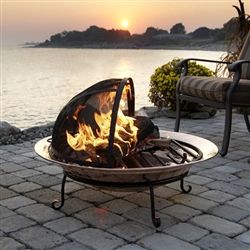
point(37, 83)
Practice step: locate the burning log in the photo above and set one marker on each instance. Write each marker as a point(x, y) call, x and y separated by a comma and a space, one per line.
point(121, 147)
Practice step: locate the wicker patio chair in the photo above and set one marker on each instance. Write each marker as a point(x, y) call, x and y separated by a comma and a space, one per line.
point(222, 93)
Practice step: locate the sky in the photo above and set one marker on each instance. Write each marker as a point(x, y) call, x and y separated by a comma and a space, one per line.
point(36, 20)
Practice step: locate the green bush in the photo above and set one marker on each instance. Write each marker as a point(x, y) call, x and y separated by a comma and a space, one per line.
point(163, 82)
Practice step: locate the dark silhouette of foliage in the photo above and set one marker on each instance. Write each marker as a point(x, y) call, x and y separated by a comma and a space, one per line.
point(98, 37)
point(151, 32)
point(236, 30)
point(178, 28)
point(93, 34)
point(217, 34)
point(201, 33)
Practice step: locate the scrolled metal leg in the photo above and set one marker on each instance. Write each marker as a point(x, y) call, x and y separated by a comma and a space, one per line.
point(156, 220)
point(56, 204)
point(246, 119)
point(227, 130)
point(185, 191)
point(178, 113)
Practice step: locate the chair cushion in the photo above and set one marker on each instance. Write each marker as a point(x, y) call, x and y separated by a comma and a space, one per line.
point(214, 89)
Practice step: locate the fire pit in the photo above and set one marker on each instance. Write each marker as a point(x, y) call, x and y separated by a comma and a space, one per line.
point(98, 140)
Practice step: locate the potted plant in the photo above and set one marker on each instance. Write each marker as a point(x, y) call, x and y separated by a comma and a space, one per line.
point(162, 92)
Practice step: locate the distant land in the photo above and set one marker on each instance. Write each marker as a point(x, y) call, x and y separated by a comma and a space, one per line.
point(153, 38)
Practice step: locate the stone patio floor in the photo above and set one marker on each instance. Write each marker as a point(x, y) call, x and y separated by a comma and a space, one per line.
point(215, 215)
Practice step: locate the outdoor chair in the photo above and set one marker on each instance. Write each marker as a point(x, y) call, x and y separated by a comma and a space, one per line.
point(221, 93)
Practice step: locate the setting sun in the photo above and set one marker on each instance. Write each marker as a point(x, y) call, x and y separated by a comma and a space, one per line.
point(125, 23)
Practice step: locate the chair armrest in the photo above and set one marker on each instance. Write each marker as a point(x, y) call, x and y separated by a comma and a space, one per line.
point(236, 66)
point(184, 63)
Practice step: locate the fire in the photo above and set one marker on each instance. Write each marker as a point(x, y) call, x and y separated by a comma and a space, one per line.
point(93, 140)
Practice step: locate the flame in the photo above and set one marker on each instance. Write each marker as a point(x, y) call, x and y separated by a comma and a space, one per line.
point(90, 140)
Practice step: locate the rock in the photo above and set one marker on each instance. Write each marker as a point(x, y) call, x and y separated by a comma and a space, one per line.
point(30, 130)
point(200, 112)
point(199, 115)
point(241, 110)
point(172, 113)
point(192, 107)
point(50, 125)
point(141, 112)
point(151, 112)
point(210, 110)
point(25, 135)
point(7, 129)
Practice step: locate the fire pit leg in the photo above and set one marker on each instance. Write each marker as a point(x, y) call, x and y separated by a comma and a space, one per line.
point(56, 204)
point(156, 220)
point(185, 191)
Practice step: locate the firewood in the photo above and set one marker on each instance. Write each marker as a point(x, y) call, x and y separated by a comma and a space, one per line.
point(146, 128)
point(161, 143)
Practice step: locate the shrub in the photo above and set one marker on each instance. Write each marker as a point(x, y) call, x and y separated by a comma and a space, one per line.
point(163, 82)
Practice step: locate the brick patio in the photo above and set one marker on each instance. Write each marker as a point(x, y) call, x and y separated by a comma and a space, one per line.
point(215, 215)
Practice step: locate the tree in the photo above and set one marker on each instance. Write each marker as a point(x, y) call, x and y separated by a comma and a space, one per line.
point(178, 28)
point(56, 38)
point(231, 27)
point(201, 33)
point(236, 30)
point(151, 31)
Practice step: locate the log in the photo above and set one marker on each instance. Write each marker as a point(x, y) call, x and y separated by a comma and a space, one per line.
point(161, 143)
point(146, 128)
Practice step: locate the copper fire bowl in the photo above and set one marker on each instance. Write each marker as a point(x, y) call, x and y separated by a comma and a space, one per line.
point(132, 175)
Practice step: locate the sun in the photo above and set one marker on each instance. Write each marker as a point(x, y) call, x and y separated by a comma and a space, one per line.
point(125, 23)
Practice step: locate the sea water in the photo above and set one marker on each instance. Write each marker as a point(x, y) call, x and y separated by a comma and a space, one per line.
point(37, 82)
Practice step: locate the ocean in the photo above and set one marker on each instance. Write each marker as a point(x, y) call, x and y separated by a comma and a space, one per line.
point(37, 82)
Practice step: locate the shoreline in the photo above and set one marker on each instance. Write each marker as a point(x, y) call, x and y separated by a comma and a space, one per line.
point(28, 134)
point(212, 47)
point(45, 130)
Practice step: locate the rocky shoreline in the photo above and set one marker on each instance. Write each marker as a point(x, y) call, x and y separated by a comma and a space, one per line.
point(205, 47)
point(11, 135)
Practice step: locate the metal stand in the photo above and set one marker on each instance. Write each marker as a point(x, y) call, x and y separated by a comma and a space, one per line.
point(185, 191)
point(156, 220)
point(56, 204)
